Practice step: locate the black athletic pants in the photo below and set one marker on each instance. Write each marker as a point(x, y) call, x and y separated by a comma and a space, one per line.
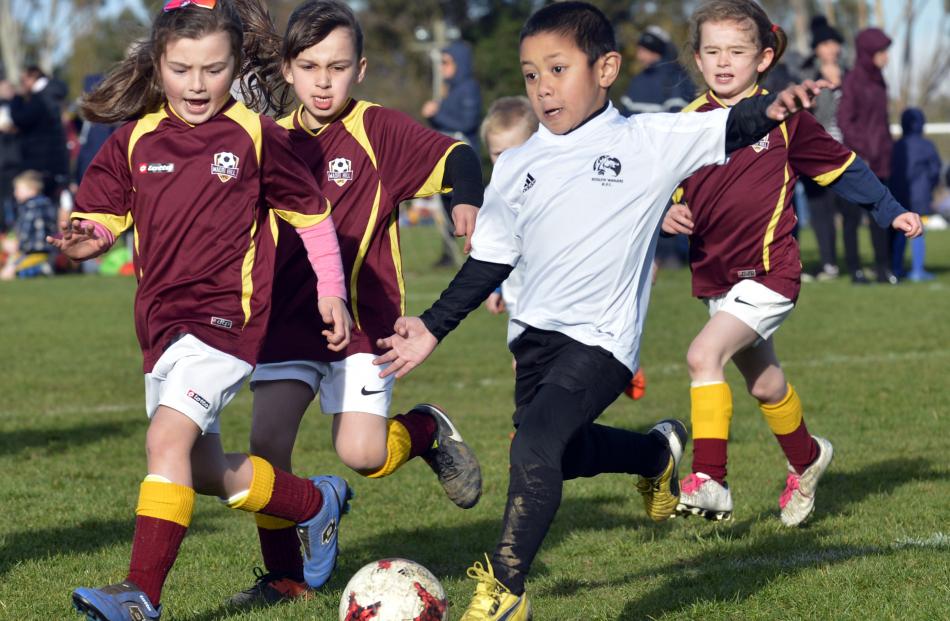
point(562, 386)
point(823, 204)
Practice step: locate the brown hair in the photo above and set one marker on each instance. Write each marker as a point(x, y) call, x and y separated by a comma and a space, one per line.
point(768, 35)
point(133, 87)
point(309, 24)
point(505, 113)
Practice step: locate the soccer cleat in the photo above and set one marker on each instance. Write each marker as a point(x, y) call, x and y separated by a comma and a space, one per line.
point(269, 588)
point(493, 601)
point(319, 534)
point(116, 602)
point(702, 495)
point(661, 493)
point(452, 460)
point(798, 499)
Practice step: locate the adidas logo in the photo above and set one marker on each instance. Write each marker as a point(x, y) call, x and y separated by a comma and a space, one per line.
point(528, 183)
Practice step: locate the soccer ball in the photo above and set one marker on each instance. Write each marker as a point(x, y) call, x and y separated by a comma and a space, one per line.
point(227, 160)
point(394, 589)
point(339, 165)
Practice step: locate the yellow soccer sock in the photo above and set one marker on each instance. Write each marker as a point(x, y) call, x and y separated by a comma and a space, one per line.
point(161, 499)
point(785, 416)
point(259, 493)
point(398, 449)
point(711, 410)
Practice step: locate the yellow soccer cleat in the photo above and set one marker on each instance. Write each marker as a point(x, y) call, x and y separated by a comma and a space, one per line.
point(661, 493)
point(493, 601)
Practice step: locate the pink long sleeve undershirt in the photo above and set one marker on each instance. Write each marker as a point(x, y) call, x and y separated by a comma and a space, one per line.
point(323, 251)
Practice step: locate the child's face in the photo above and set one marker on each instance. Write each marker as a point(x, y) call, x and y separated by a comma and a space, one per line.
point(197, 74)
point(324, 74)
point(497, 142)
point(23, 192)
point(828, 51)
point(729, 58)
point(563, 87)
point(880, 59)
point(449, 67)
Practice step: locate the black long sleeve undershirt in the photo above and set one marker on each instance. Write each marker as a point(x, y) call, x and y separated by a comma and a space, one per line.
point(463, 173)
point(747, 122)
point(464, 294)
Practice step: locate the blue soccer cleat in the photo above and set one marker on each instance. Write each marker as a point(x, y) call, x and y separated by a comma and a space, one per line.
point(116, 602)
point(319, 534)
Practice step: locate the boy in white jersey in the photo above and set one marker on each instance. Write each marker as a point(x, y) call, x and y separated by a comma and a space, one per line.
point(580, 203)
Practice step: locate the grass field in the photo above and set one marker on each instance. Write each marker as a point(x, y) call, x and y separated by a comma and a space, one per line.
point(871, 365)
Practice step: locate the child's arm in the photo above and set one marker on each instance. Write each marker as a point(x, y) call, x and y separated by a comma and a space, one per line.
point(859, 185)
point(754, 117)
point(82, 240)
point(323, 251)
point(463, 173)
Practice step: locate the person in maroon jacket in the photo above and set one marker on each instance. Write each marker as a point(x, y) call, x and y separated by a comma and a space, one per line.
point(863, 119)
point(202, 179)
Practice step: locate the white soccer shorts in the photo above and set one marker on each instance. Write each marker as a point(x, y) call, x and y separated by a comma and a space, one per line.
point(195, 379)
point(755, 305)
point(349, 385)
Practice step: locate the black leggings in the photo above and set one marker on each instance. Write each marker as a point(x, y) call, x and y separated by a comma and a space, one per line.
point(823, 205)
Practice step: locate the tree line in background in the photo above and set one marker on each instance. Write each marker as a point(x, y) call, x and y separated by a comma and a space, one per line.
point(72, 39)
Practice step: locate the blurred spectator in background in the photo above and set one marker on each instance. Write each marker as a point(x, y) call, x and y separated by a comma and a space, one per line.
point(28, 253)
point(9, 157)
point(91, 135)
point(823, 204)
point(915, 174)
point(862, 117)
point(37, 116)
point(459, 115)
point(662, 85)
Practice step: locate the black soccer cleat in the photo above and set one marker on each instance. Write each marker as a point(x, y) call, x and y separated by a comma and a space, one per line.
point(452, 460)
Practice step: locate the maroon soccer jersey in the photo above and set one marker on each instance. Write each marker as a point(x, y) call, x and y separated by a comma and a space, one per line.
point(742, 211)
point(202, 200)
point(366, 162)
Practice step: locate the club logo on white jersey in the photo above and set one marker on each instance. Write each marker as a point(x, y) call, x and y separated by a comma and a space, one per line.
point(225, 166)
point(608, 170)
point(528, 183)
point(761, 145)
point(339, 171)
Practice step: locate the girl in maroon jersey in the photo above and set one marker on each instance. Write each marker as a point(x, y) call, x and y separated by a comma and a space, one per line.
point(202, 177)
point(745, 261)
point(367, 159)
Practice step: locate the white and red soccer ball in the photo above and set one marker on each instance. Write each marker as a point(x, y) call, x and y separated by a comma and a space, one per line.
point(393, 589)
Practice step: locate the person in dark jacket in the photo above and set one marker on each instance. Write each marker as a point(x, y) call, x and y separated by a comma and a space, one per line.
point(663, 85)
point(862, 117)
point(9, 157)
point(36, 113)
point(459, 115)
point(915, 173)
point(92, 135)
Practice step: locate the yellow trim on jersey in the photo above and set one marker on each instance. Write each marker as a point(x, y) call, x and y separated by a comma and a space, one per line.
point(354, 124)
point(361, 253)
point(303, 220)
point(115, 224)
point(274, 231)
point(287, 122)
point(678, 194)
point(832, 175)
point(696, 103)
point(247, 276)
point(180, 117)
point(250, 121)
point(144, 125)
point(397, 258)
point(779, 206)
point(298, 114)
point(746, 95)
point(433, 184)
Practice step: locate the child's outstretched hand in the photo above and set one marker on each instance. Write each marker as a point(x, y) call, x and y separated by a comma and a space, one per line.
point(495, 303)
point(333, 311)
point(409, 347)
point(678, 219)
point(909, 223)
point(795, 98)
point(463, 217)
point(79, 241)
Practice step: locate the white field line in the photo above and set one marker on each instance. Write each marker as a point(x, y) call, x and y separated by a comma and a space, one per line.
point(104, 408)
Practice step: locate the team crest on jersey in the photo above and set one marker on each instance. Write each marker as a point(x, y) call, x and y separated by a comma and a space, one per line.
point(761, 145)
point(608, 170)
point(339, 171)
point(225, 166)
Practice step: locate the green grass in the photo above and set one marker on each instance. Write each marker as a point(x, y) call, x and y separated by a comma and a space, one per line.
point(870, 364)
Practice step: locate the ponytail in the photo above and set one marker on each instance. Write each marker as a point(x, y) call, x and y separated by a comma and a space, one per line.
point(130, 90)
point(779, 45)
point(263, 87)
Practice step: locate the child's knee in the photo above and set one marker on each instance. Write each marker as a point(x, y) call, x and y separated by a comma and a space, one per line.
point(363, 458)
point(701, 360)
point(770, 387)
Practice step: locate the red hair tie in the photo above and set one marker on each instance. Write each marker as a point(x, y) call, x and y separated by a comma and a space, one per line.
point(775, 28)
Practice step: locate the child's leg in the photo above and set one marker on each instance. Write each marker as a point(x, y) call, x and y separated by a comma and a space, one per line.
point(779, 403)
point(710, 397)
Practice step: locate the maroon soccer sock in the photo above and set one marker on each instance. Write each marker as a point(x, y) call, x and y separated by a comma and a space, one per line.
point(293, 498)
point(710, 457)
point(154, 550)
point(281, 551)
point(799, 447)
point(421, 427)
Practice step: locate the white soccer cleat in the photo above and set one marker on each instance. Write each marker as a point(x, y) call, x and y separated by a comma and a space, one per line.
point(798, 500)
point(704, 496)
